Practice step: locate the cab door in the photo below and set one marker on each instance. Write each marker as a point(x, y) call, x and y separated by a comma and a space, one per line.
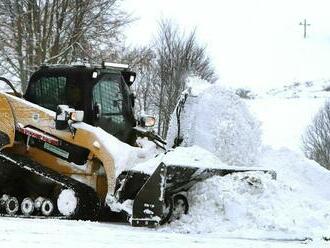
point(108, 98)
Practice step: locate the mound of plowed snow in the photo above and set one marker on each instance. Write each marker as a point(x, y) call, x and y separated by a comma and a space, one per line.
point(297, 203)
point(217, 120)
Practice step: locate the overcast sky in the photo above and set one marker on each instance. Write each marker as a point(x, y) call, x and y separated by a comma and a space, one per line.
point(254, 43)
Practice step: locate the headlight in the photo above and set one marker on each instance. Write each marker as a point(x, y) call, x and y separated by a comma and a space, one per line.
point(77, 115)
point(148, 121)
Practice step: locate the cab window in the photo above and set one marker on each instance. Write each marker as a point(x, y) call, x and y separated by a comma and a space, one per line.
point(49, 92)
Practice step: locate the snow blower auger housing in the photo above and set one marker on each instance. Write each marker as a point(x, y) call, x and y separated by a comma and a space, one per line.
point(161, 197)
point(56, 157)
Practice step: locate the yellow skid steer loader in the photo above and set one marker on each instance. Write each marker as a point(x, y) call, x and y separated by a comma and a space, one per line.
point(55, 164)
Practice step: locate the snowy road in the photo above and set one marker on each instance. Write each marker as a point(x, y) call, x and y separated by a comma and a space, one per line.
point(60, 233)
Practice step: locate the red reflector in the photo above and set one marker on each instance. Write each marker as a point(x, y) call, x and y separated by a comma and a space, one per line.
point(38, 135)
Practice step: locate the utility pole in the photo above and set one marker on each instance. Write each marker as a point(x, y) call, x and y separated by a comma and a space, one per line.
point(305, 24)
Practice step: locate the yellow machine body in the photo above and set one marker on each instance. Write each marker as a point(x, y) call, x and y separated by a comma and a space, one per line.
point(17, 114)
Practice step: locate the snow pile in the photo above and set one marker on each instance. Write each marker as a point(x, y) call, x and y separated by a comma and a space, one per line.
point(251, 204)
point(297, 203)
point(306, 176)
point(217, 120)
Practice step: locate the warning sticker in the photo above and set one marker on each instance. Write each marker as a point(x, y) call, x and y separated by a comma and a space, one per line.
point(56, 150)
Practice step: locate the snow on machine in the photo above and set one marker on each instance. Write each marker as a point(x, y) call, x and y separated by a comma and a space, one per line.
point(69, 145)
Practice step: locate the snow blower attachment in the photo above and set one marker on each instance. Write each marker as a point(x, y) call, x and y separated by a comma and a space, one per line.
point(161, 197)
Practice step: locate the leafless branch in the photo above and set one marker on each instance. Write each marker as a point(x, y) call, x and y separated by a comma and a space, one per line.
point(316, 140)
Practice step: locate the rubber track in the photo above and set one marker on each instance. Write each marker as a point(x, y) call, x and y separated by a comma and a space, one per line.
point(88, 202)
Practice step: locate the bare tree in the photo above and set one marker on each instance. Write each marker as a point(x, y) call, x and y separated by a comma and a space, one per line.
point(142, 60)
point(178, 56)
point(316, 140)
point(33, 32)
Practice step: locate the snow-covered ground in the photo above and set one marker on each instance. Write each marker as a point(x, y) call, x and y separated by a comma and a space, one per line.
point(25, 233)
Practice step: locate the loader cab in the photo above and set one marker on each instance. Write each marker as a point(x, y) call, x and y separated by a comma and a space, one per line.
point(102, 92)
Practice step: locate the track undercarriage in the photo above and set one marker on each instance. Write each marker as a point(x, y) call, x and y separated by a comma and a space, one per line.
point(28, 189)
